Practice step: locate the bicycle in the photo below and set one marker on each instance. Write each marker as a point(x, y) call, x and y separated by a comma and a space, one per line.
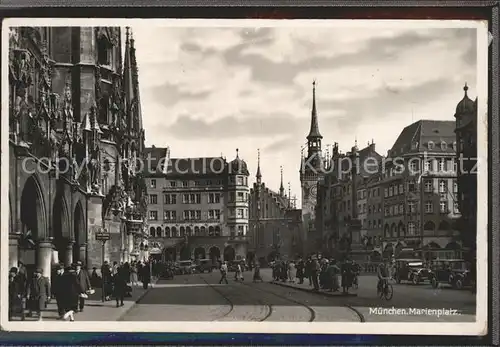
point(387, 291)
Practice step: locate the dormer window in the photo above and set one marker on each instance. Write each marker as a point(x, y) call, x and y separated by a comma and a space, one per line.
point(444, 146)
point(430, 145)
point(454, 145)
point(104, 51)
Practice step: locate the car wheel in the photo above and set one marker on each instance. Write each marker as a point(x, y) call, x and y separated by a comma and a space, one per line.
point(434, 282)
point(458, 284)
point(415, 280)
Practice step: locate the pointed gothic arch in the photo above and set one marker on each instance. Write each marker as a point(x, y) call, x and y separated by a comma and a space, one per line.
point(80, 233)
point(33, 211)
point(152, 232)
point(159, 232)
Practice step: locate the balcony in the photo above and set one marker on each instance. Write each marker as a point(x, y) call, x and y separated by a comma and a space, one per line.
point(239, 239)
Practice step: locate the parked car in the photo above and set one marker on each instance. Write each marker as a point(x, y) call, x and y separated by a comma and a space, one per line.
point(205, 265)
point(454, 272)
point(186, 267)
point(411, 270)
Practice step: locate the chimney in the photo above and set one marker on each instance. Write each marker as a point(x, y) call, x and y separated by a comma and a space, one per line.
point(372, 147)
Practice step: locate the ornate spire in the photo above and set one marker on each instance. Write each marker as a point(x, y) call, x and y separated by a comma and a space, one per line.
point(466, 88)
point(289, 195)
point(282, 189)
point(258, 175)
point(237, 153)
point(314, 131)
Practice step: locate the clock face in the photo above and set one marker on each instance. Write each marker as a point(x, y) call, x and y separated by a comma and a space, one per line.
point(313, 191)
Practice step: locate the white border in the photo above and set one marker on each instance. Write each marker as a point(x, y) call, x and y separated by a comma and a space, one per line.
point(474, 328)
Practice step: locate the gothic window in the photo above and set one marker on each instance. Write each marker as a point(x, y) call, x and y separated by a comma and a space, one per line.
point(174, 232)
point(196, 231)
point(428, 186)
point(217, 230)
point(153, 215)
point(183, 231)
point(167, 232)
point(203, 231)
point(411, 229)
point(429, 207)
point(188, 231)
point(443, 206)
point(104, 51)
point(152, 232)
point(158, 232)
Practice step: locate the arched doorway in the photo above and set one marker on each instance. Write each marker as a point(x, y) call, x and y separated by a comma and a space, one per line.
point(33, 220)
point(170, 254)
point(214, 253)
point(185, 254)
point(62, 232)
point(79, 248)
point(229, 253)
point(199, 253)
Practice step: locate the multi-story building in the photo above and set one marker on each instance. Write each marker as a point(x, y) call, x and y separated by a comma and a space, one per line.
point(311, 172)
point(75, 131)
point(198, 207)
point(275, 224)
point(375, 215)
point(345, 221)
point(466, 137)
point(420, 192)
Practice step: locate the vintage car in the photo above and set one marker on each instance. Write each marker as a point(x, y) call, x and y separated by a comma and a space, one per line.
point(453, 272)
point(185, 267)
point(411, 270)
point(205, 265)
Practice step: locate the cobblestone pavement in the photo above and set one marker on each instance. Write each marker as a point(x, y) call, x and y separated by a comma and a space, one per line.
point(412, 300)
point(200, 297)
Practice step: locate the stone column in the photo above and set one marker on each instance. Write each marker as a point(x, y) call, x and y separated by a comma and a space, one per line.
point(83, 254)
point(130, 238)
point(68, 257)
point(44, 257)
point(13, 250)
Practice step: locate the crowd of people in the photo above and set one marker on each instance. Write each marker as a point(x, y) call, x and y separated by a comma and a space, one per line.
point(327, 274)
point(70, 286)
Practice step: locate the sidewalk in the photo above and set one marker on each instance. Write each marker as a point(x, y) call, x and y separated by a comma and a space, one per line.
point(96, 310)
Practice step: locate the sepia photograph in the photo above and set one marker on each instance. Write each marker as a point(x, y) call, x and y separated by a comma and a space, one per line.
point(274, 176)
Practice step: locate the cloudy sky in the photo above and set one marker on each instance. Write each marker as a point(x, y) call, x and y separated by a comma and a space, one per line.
point(207, 91)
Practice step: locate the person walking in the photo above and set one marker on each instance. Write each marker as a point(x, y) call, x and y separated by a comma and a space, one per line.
point(134, 281)
point(223, 273)
point(292, 271)
point(38, 293)
point(315, 269)
point(58, 290)
point(83, 281)
point(256, 274)
point(146, 275)
point(16, 292)
point(300, 270)
point(71, 293)
point(309, 270)
point(107, 281)
point(120, 285)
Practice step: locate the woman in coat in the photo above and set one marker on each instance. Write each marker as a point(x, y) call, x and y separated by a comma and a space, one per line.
point(71, 289)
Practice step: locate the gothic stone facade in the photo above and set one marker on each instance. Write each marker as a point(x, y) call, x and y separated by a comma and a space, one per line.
point(68, 114)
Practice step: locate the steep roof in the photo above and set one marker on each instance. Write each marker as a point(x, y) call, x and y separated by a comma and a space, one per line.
point(314, 131)
point(425, 135)
point(155, 156)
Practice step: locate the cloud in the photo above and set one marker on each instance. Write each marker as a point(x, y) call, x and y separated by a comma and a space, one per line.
point(210, 90)
point(188, 127)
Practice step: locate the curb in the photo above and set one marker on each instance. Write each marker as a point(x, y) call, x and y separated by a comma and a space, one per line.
point(359, 314)
point(139, 298)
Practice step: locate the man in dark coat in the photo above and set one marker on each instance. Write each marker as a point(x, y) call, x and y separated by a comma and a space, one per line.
point(300, 270)
point(38, 293)
point(16, 292)
point(71, 293)
point(120, 285)
point(58, 289)
point(107, 281)
point(83, 281)
point(146, 275)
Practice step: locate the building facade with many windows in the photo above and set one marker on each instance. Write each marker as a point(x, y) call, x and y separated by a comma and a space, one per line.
point(198, 207)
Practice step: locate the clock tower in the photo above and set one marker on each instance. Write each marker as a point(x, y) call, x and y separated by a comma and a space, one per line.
point(311, 169)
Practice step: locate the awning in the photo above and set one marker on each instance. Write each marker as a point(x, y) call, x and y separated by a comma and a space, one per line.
point(155, 251)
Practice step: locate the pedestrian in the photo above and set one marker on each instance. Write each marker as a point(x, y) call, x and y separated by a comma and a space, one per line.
point(120, 285)
point(16, 292)
point(38, 293)
point(292, 271)
point(133, 274)
point(71, 289)
point(95, 279)
point(58, 289)
point(223, 273)
point(256, 274)
point(83, 281)
point(315, 269)
point(308, 270)
point(107, 281)
point(146, 275)
point(300, 270)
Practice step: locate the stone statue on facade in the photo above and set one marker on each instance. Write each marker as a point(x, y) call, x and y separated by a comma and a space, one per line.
point(94, 168)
